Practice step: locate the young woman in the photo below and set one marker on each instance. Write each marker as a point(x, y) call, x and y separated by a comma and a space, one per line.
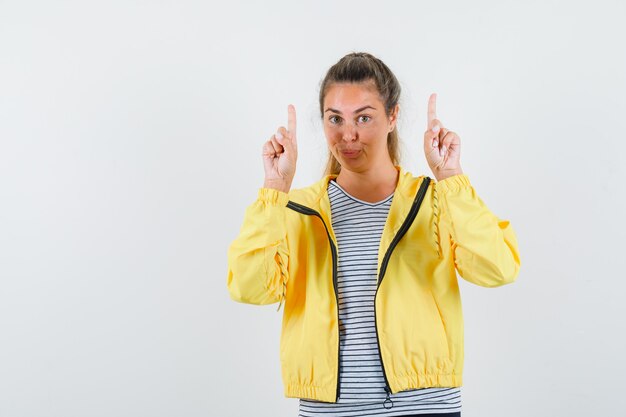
point(365, 259)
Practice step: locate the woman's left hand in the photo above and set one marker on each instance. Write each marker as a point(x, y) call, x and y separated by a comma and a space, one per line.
point(441, 146)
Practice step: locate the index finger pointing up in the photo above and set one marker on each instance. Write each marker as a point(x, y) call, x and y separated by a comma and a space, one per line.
point(291, 119)
point(432, 108)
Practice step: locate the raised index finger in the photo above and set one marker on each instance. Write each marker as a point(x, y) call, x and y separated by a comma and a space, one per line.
point(432, 108)
point(291, 119)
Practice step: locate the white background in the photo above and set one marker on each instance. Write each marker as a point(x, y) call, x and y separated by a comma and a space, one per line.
point(130, 143)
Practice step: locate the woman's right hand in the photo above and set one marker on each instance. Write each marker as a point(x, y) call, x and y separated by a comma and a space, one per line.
point(280, 154)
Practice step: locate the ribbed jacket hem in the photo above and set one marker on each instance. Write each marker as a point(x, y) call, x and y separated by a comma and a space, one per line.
point(311, 392)
point(402, 383)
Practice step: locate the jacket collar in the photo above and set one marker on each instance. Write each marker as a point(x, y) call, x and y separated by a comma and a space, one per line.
point(318, 190)
point(316, 197)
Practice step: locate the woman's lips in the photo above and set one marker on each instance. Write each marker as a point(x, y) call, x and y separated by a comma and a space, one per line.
point(351, 153)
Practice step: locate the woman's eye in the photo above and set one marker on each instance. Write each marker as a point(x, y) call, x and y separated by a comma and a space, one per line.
point(333, 118)
point(366, 117)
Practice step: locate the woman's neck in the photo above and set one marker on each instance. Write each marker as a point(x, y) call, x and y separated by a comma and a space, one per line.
point(372, 185)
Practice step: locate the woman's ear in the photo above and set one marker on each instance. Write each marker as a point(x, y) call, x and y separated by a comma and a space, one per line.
point(393, 118)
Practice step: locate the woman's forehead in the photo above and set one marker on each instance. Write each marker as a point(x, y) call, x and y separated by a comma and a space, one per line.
point(351, 96)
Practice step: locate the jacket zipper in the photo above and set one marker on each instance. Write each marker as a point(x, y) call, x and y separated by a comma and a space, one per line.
point(383, 267)
point(309, 211)
point(417, 202)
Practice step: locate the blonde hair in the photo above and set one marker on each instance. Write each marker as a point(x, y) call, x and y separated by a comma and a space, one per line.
point(362, 67)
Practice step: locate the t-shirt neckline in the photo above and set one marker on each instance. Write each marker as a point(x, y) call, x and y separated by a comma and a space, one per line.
point(384, 200)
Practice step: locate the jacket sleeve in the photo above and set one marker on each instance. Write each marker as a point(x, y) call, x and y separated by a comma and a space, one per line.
point(484, 246)
point(258, 257)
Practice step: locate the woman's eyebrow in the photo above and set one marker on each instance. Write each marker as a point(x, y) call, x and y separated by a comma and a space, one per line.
point(356, 111)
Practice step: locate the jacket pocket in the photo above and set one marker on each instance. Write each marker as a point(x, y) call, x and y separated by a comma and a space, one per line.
point(442, 326)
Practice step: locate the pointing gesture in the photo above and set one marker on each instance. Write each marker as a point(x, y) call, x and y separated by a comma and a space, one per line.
point(441, 146)
point(280, 154)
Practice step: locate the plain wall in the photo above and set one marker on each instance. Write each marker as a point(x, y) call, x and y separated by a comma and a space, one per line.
point(130, 145)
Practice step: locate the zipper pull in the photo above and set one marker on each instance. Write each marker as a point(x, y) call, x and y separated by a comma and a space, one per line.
point(385, 404)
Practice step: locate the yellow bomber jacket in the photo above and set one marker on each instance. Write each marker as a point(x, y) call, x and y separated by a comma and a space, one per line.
point(286, 252)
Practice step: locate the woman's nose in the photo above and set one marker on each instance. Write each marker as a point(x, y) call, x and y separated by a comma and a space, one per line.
point(350, 133)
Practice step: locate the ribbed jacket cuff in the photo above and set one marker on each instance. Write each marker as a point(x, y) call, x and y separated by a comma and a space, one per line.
point(273, 196)
point(453, 183)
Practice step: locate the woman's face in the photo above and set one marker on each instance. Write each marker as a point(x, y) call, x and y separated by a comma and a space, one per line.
point(356, 126)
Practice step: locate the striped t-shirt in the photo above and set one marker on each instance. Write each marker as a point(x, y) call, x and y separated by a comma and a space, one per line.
point(358, 226)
